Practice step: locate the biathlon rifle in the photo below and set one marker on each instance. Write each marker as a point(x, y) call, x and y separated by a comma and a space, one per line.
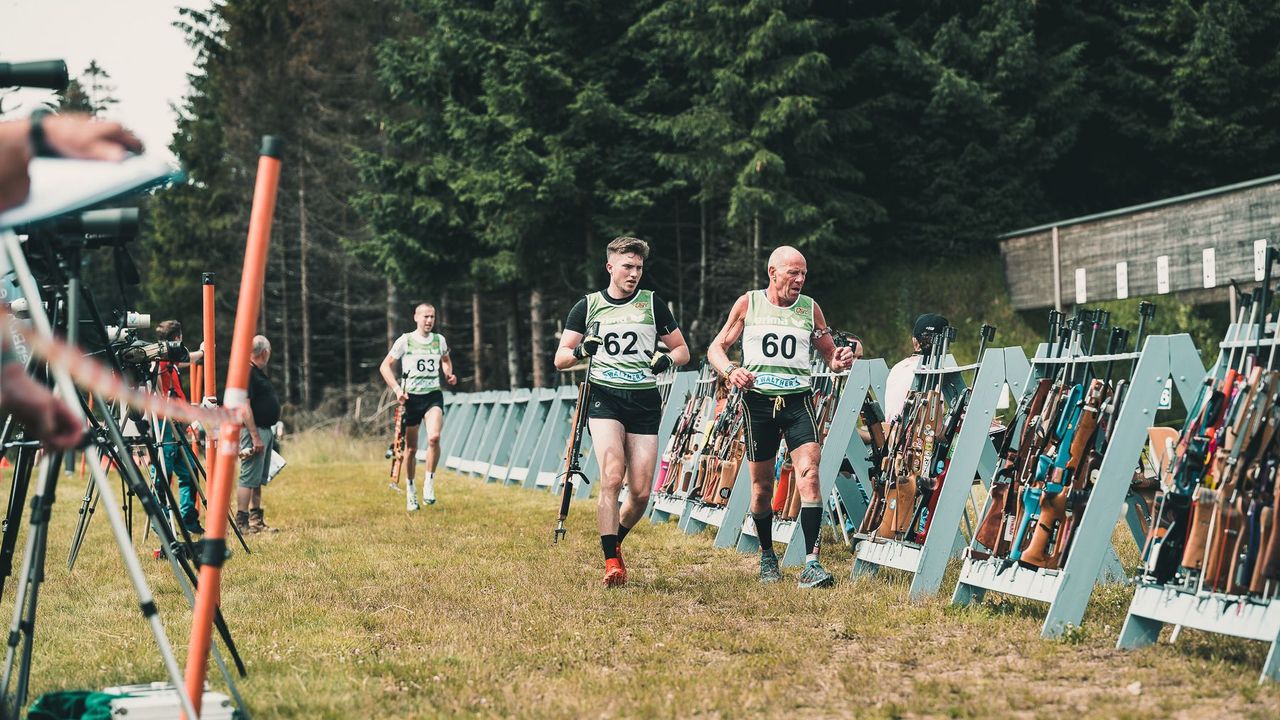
point(572, 458)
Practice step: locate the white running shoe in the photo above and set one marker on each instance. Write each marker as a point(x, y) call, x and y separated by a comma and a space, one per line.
point(394, 487)
point(411, 499)
point(429, 491)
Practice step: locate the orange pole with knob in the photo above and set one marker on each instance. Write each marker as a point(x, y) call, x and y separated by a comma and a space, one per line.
point(235, 398)
point(209, 372)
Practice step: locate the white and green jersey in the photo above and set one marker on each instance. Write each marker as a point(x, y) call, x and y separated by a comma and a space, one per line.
point(775, 343)
point(419, 357)
point(630, 335)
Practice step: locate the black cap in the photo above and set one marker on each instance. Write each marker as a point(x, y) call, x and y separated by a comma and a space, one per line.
point(928, 323)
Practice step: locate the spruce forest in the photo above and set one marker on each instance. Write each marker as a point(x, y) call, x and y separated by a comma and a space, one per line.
point(480, 155)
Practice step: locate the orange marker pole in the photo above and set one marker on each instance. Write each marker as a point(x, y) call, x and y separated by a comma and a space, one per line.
point(235, 398)
point(209, 372)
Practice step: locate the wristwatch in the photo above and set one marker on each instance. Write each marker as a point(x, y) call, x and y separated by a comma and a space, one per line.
point(728, 369)
point(40, 146)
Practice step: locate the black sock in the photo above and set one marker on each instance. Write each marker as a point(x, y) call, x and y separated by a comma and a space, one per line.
point(622, 532)
point(764, 530)
point(610, 545)
point(810, 523)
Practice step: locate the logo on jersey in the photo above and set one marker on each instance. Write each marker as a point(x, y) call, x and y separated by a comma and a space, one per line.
point(800, 310)
point(624, 375)
point(640, 304)
point(781, 382)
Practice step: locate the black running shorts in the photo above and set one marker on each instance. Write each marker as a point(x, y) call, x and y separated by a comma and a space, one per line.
point(769, 421)
point(639, 411)
point(418, 405)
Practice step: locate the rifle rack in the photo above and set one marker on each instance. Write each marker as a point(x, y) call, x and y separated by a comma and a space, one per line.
point(973, 455)
point(1153, 604)
point(1092, 558)
point(737, 529)
point(664, 506)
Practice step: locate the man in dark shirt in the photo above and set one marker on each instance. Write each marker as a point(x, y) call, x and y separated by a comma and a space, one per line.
point(257, 440)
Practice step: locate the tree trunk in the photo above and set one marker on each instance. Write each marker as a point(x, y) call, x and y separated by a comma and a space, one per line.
point(588, 253)
point(513, 342)
point(755, 252)
point(304, 288)
point(348, 389)
point(285, 323)
point(679, 266)
point(537, 338)
point(702, 261)
point(477, 340)
point(392, 320)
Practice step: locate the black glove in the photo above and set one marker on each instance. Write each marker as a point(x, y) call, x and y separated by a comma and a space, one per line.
point(589, 346)
point(660, 362)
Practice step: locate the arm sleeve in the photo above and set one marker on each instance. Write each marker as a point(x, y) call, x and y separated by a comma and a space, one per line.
point(399, 347)
point(577, 320)
point(662, 317)
point(444, 347)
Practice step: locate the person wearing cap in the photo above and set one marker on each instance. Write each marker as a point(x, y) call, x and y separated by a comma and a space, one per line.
point(902, 376)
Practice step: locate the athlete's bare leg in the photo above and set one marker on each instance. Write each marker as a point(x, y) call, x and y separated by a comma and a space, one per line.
point(608, 440)
point(410, 452)
point(435, 422)
point(642, 455)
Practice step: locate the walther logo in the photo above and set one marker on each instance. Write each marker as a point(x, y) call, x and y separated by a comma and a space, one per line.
point(628, 319)
point(629, 376)
point(778, 381)
point(789, 321)
point(640, 304)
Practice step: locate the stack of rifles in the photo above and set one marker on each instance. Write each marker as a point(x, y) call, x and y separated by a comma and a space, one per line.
point(909, 458)
point(703, 456)
point(1215, 526)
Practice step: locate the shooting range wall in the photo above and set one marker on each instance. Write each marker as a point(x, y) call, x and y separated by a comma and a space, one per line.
point(1193, 245)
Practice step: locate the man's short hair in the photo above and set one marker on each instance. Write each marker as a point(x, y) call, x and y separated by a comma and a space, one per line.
point(422, 304)
point(625, 245)
point(169, 330)
point(260, 345)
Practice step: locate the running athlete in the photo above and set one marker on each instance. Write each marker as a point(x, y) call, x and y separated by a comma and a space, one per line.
point(625, 406)
point(424, 360)
point(778, 326)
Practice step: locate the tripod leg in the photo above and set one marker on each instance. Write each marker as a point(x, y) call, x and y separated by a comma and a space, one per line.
point(87, 505)
point(22, 466)
point(198, 473)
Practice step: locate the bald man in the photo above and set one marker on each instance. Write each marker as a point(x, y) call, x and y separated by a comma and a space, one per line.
point(778, 327)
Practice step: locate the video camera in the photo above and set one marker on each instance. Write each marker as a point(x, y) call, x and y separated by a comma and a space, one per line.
point(144, 353)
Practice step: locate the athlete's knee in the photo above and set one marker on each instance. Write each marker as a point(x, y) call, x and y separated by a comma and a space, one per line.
point(433, 438)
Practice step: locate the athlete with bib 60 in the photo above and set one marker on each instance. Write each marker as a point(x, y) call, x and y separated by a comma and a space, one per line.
point(625, 405)
point(777, 325)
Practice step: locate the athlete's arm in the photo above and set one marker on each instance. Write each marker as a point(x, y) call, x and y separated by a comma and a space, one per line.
point(838, 359)
point(718, 350)
point(389, 377)
point(677, 348)
point(446, 364)
point(564, 358)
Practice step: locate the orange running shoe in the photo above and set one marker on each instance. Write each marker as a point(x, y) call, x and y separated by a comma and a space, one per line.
point(615, 575)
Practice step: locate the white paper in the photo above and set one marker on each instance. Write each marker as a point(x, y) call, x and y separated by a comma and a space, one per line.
point(1259, 260)
point(277, 464)
point(1122, 280)
point(1162, 274)
point(61, 186)
point(1081, 295)
point(1210, 268)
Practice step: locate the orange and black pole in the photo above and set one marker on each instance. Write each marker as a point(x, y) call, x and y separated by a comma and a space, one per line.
point(235, 398)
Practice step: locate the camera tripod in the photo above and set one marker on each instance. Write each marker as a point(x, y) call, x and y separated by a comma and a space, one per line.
point(105, 439)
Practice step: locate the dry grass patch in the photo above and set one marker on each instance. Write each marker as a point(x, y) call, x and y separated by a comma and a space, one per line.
point(357, 609)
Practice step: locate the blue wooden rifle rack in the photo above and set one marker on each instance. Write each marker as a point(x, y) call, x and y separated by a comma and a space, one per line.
point(1092, 558)
point(475, 411)
point(1250, 618)
point(497, 460)
point(973, 454)
point(523, 448)
point(842, 442)
point(544, 466)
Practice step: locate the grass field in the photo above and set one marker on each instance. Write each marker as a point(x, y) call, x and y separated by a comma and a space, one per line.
point(358, 610)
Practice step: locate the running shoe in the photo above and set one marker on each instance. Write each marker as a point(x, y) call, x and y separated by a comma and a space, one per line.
point(411, 498)
point(769, 572)
point(615, 575)
point(429, 491)
point(393, 486)
point(815, 576)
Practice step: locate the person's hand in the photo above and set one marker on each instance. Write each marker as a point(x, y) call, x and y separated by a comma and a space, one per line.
point(742, 378)
point(589, 346)
point(41, 412)
point(402, 395)
point(258, 446)
point(842, 359)
point(659, 363)
point(80, 136)
point(451, 379)
point(15, 183)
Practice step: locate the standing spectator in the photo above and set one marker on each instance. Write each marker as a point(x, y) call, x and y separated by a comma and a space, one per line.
point(256, 441)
